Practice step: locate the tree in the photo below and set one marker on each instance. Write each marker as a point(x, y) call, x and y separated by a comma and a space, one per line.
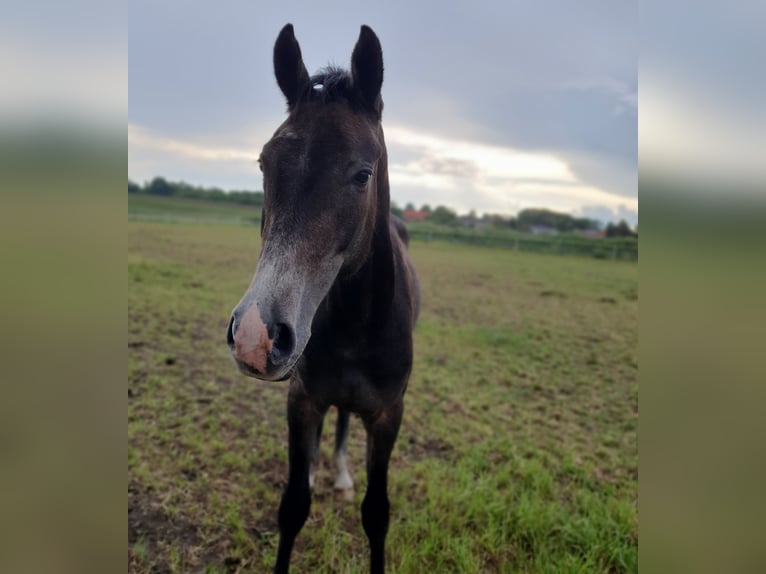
point(425, 208)
point(396, 210)
point(133, 187)
point(622, 229)
point(562, 222)
point(159, 186)
point(586, 224)
point(444, 216)
point(409, 207)
point(497, 220)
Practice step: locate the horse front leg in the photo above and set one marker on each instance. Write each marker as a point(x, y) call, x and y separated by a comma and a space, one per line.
point(304, 421)
point(344, 486)
point(315, 452)
point(381, 436)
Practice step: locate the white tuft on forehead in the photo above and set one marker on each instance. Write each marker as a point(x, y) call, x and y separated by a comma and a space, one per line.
point(317, 87)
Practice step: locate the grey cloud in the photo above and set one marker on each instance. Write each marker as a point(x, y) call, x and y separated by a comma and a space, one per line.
point(453, 167)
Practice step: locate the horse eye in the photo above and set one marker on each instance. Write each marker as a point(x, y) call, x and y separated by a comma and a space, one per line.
point(362, 177)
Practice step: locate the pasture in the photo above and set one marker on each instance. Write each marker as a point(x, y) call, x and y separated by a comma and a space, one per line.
point(518, 449)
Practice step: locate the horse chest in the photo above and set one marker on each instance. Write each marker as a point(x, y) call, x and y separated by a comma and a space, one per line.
point(350, 389)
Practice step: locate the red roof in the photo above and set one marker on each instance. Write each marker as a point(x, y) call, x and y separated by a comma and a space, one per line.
point(413, 215)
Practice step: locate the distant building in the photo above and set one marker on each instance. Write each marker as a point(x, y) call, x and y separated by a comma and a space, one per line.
point(468, 221)
point(414, 215)
point(543, 230)
point(472, 222)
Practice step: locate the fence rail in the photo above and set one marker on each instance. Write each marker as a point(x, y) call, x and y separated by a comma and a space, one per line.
point(599, 248)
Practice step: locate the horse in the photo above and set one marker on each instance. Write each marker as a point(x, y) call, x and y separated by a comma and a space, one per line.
point(334, 299)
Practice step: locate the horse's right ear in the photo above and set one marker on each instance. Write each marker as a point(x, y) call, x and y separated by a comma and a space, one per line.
point(367, 68)
point(288, 65)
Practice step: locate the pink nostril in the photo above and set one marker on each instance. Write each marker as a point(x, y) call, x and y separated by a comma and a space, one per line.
point(283, 343)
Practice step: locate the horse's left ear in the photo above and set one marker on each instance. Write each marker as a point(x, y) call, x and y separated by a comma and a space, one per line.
point(288, 65)
point(367, 67)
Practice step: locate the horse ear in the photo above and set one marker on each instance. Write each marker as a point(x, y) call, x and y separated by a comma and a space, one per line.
point(367, 67)
point(288, 65)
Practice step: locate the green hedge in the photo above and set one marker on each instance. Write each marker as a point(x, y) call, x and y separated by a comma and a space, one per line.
point(623, 249)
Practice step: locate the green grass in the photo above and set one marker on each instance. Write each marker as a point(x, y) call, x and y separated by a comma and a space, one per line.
point(143, 207)
point(179, 210)
point(518, 450)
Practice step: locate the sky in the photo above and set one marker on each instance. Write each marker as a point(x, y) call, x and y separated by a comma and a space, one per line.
point(494, 107)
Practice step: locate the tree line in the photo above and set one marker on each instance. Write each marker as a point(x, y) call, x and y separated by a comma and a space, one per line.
point(525, 220)
point(621, 229)
point(164, 188)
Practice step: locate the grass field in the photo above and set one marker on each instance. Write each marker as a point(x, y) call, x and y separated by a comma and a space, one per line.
point(143, 207)
point(178, 210)
point(518, 450)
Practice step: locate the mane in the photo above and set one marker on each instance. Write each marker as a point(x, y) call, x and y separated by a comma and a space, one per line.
point(333, 84)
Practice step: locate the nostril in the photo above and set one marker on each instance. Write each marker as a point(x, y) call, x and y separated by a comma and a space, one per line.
point(230, 333)
point(282, 342)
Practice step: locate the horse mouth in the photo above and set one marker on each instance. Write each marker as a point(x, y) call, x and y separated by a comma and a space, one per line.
point(280, 375)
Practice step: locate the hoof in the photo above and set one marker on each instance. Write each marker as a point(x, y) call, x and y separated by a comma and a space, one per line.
point(344, 494)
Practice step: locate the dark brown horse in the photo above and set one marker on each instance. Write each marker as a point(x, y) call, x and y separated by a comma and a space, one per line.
point(335, 296)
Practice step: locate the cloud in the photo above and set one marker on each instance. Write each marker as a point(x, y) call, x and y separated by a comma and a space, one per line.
point(459, 173)
point(142, 138)
point(202, 162)
point(473, 175)
point(620, 90)
point(488, 160)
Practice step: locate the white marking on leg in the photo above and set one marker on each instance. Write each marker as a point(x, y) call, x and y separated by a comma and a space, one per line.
point(342, 478)
point(313, 468)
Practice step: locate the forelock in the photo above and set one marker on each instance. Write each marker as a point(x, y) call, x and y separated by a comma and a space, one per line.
point(333, 84)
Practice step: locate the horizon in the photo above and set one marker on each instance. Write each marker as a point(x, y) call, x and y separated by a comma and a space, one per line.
point(403, 206)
